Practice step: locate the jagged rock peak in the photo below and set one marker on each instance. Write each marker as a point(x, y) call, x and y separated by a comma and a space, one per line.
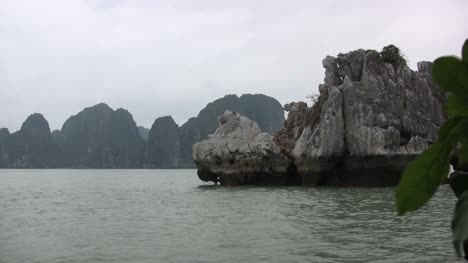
point(425, 66)
point(370, 120)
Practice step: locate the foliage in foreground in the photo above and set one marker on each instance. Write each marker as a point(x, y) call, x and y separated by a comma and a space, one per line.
point(423, 176)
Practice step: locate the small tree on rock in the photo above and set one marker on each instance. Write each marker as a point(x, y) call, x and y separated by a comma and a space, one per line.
point(392, 54)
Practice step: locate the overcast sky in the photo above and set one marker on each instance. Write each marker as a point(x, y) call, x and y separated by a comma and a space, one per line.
point(172, 57)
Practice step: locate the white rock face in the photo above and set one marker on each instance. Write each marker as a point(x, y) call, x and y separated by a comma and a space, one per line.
point(372, 109)
point(237, 135)
point(327, 138)
point(238, 148)
point(370, 120)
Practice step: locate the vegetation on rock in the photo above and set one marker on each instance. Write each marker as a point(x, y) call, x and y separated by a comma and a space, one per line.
point(392, 54)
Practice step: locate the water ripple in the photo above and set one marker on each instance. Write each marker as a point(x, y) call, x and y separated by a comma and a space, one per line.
point(170, 216)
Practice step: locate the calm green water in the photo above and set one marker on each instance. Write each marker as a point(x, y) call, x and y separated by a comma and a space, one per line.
point(171, 216)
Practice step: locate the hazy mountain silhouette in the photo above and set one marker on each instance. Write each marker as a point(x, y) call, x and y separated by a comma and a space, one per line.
point(100, 137)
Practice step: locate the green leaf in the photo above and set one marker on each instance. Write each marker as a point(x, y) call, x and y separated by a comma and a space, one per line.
point(458, 183)
point(456, 106)
point(460, 223)
point(448, 127)
point(465, 52)
point(463, 76)
point(463, 152)
point(422, 177)
point(445, 72)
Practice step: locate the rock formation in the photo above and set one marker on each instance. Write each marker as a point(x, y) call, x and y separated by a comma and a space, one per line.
point(164, 150)
point(265, 110)
point(30, 147)
point(143, 132)
point(240, 153)
point(370, 120)
point(99, 137)
point(163, 143)
point(4, 147)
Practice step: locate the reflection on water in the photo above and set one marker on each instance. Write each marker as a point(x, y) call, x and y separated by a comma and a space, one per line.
point(170, 216)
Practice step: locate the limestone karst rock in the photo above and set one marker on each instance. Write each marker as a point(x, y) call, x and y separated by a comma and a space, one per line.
point(370, 120)
point(4, 147)
point(30, 147)
point(265, 110)
point(143, 132)
point(99, 137)
point(163, 143)
point(240, 153)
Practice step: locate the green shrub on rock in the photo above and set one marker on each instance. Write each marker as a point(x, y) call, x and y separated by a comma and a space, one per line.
point(392, 54)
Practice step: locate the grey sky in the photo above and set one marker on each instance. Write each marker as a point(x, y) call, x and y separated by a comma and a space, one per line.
point(172, 57)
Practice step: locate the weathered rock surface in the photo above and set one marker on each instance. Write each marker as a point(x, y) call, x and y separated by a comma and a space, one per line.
point(370, 120)
point(240, 153)
point(265, 110)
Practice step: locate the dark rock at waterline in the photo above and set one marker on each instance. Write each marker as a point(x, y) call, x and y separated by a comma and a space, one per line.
point(370, 120)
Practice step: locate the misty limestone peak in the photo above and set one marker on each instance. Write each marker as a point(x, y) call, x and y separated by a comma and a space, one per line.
point(143, 132)
point(35, 125)
point(165, 120)
point(4, 131)
point(101, 108)
point(164, 143)
point(30, 147)
point(100, 137)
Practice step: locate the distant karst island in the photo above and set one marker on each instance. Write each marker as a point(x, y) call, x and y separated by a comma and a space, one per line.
point(372, 117)
point(100, 137)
